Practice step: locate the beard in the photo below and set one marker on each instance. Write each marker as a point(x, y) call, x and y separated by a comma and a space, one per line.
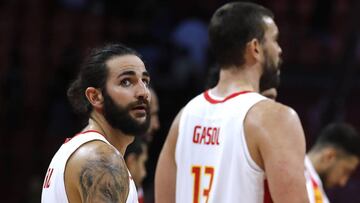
point(119, 117)
point(271, 73)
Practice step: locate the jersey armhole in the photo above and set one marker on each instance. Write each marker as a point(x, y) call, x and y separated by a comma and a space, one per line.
point(251, 163)
point(89, 139)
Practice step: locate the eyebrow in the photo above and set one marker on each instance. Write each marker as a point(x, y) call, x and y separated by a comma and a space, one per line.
point(131, 73)
point(146, 74)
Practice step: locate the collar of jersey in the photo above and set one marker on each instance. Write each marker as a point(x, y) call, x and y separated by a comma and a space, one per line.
point(84, 132)
point(209, 98)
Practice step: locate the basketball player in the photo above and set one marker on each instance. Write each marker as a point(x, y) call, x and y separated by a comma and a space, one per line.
point(229, 143)
point(112, 91)
point(135, 157)
point(332, 160)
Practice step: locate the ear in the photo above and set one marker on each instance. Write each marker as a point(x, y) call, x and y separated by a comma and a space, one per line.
point(329, 156)
point(95, 97)
point(254, 50)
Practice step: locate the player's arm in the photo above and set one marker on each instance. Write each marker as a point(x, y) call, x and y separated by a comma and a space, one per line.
point(96, 172)
point(280, 142)
point(165, 175)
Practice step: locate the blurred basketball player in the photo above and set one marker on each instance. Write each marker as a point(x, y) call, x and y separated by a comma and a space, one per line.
point(332, 160)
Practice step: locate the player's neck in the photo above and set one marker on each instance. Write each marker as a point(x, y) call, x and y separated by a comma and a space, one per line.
point(235, 79)
point(116, 138)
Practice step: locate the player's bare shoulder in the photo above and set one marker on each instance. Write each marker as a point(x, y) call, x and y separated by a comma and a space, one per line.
point(96, 172)
point(276, 139)
point(269, 113)
point(269, 121)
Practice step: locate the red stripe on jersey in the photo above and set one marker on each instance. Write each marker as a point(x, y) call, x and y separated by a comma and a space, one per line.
point(87, 131)
point(314, 183)
point(267, 196)
point(214, 101)
point(317, 192)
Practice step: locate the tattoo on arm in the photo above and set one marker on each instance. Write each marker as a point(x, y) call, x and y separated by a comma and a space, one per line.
point(104, 179)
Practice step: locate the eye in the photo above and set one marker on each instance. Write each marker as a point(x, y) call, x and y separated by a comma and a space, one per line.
point(125, 82)
point(146, 82)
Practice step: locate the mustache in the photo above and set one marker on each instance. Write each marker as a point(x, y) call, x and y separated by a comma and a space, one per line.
point(139, 102)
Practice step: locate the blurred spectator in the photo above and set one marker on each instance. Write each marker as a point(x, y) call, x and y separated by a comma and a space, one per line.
point(135, 157)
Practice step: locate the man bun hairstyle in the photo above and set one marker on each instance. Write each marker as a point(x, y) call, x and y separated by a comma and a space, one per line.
point(93, 73)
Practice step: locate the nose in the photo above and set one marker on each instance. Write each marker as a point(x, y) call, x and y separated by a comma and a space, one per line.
point(142, 91)
point(343, 181)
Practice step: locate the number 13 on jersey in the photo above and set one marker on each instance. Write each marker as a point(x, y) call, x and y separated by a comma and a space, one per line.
point(197, 172)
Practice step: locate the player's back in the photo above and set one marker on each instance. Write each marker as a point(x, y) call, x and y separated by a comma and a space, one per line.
point(212, 158)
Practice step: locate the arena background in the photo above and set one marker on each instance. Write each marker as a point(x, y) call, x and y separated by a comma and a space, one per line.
point(42, 43)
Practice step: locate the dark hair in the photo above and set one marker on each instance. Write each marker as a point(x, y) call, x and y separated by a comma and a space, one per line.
point(136, 147)
point(93, 73)
point(232, 26)
point(342, 136)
